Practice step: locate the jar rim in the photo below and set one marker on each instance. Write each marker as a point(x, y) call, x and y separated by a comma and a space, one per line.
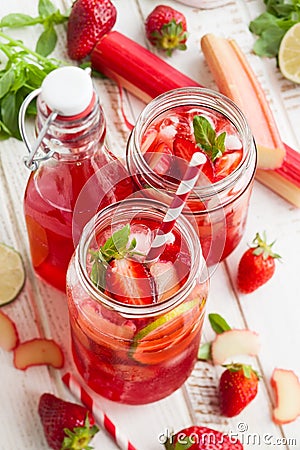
point(192, 96)
point(157, 209)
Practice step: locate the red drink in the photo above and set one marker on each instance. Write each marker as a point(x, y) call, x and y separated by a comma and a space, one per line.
point(169, 131)
point(135, 334)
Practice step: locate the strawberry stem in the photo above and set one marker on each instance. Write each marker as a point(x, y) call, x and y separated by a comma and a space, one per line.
point(260, 246)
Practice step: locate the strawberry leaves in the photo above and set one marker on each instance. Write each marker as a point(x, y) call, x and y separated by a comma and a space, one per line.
point(207, 138)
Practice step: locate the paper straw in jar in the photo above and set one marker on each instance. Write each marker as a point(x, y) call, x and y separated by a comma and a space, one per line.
point(101, 418)
point(185, 187)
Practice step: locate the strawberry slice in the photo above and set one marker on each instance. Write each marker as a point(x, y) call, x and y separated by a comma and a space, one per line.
point(225, 165)
point(184, 148)
point(129, 281)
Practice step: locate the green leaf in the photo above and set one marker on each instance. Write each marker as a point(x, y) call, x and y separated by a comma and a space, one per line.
point(269, 42)
point(117, 243)
point(207, 138)
point(218, 323)
point(262, 23)
point(16, 20)
point(47, 41)
point(204, 352)
point(46, 8)
point(6, 82)
point(9, 113)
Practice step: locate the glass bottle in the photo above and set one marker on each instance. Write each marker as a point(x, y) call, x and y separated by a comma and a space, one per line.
point(134, 349)
point(219, 207)
point(73, 174)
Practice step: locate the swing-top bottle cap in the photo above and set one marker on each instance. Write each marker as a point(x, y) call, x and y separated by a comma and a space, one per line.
point(67, 90)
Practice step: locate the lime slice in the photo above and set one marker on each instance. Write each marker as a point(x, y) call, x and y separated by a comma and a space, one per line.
point(12, 274)
point(289, 54)
point(151, 344)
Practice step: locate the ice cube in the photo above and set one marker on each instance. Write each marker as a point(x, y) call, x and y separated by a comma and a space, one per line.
point(143, 236)
point(232, 142)
point(166, 279)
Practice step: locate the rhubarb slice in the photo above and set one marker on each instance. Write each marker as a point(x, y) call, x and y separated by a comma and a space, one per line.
point(9, 337)
point(287, 390)
point(232, 343)
point(235, 79)
point(135, 68)
point(36, 352)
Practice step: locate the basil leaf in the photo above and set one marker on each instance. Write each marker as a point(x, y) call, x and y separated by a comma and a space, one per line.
point(6, 82)
point(218, 323)
point(46, 8)
point(16, 20)
point(47, 41)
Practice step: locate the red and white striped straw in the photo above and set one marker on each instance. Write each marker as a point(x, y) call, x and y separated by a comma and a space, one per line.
point(81, 394)
point(184, 189)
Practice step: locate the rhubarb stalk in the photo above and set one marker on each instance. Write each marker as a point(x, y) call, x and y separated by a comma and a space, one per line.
point(235, 79)
point(135, 68)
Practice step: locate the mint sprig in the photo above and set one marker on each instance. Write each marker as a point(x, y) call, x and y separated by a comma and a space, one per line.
point(272, 25)
point(207, 138)
point(24, 72)
point(117, 246)
point(49, 16)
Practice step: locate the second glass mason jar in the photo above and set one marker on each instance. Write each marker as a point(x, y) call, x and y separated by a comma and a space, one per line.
point(168, 132)
point(136, 327)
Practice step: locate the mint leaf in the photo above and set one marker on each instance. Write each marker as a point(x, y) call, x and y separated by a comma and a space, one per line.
point(204, 352)
point(272, 25)
point(218, 323)
point(46, 8)
point(269, 42)
point(16, 20)
point(47, 41)
point(207, 139)
point(6, 81)
point(116, 245)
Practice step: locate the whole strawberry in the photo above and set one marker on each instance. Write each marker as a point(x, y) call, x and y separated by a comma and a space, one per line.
point(256, 266)
point(237, 388)
point(89, 20)
point(166, 29)
point(201, 438)
point(66, 425)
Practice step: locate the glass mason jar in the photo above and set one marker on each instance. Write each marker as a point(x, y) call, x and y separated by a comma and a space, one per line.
point(74, 177)
point(134, 349)
point(157, 154)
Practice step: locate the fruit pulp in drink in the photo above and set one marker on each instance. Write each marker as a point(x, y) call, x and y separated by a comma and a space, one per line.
point(140, 358)
point(59, 200)
point(169, 143)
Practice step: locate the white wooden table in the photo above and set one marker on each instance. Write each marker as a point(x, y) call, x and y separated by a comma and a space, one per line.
point(273, 311)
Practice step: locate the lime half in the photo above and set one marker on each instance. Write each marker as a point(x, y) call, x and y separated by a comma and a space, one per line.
point(12, 274)
point(289, 54)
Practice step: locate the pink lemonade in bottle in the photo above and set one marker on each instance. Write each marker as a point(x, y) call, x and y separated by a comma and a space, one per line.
point(168, 132)
point(75, 177)
point(135, 327)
